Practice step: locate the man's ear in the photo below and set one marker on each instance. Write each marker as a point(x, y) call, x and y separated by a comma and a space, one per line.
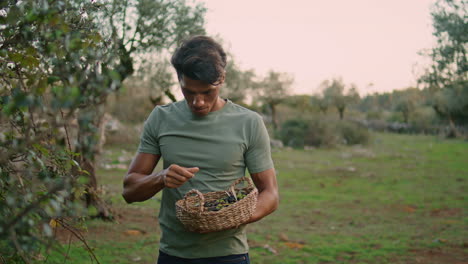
point(223, 78)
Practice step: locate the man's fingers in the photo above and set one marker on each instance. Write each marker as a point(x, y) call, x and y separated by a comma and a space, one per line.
point(185, 172)
point(175, 177)
point(193, 169)
point(172, 182)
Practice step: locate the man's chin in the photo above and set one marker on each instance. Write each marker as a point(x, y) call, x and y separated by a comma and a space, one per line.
point(203, 112)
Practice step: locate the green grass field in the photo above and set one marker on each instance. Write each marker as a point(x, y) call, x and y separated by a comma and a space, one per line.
point(401, 199)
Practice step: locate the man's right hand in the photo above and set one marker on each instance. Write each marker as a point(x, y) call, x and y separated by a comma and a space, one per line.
point(175, 175)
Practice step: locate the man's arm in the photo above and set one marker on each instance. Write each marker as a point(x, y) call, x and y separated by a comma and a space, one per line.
point(140, 183)
point(268, 197)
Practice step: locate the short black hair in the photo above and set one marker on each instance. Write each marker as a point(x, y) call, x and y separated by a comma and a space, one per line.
point(200, 58)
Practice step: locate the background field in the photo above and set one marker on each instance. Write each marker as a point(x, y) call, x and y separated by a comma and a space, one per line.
point(401, 199)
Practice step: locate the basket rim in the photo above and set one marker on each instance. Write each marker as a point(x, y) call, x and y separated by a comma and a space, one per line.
point(183, 202)
point(180, 204)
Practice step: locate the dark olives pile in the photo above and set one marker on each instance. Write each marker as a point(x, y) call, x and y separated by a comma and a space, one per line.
point(219, 204)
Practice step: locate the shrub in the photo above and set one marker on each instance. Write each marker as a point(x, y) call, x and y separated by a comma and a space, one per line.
point(293, 132)
point(321, 133)
point(423, 120)
point(353, 134)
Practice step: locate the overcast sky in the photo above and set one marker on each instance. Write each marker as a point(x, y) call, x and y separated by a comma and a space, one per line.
point(363, 41)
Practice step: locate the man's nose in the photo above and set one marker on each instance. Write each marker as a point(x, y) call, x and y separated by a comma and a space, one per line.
point(198, 101)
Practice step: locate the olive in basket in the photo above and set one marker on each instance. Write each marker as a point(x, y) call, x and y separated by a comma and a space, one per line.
point(225, 201)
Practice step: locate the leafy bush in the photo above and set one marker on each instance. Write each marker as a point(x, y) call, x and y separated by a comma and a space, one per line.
point(423, 120)
point(293, 132)
point(353, 134)
point(322, 132)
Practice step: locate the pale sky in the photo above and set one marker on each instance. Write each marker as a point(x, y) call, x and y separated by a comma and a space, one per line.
point(363, 41)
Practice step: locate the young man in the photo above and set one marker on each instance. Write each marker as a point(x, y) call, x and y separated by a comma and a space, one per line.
point(206, 143)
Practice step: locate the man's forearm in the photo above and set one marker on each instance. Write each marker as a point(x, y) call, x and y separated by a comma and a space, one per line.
point(267, 203)
point(139, 187)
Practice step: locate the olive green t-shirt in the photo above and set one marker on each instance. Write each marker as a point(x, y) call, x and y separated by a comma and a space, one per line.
point(222, 144)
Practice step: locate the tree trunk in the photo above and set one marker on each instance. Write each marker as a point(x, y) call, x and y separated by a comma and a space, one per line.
point(341, 111)
point(405, 116)
point(453, 132)
point(273, 116)
point(90, 120)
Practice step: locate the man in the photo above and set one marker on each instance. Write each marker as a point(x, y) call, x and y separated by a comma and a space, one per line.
point(206, 143)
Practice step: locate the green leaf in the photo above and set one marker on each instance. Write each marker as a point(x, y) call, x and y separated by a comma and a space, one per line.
point(114, 75)
point(41, 149)
point(83, 180)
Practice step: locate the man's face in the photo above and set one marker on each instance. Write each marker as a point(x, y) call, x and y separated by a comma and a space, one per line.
point(201, 97)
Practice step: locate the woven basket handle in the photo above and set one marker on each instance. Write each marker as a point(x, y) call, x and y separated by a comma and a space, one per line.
point(200, 196)
point(249, 182)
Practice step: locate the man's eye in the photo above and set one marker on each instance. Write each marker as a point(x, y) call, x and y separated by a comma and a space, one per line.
point(207, 92)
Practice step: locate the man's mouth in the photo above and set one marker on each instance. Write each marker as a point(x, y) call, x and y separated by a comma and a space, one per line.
point(198, 110)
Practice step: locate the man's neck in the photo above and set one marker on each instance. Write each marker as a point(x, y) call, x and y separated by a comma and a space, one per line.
point(219, 104)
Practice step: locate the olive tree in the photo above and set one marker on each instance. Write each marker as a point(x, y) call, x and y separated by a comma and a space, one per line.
point(446, 77)
point(135, 30)
point(53, 61)
point(273, 90)
point(334, 93)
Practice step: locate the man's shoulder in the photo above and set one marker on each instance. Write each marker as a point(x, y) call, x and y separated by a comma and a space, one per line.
point(168, 108)
point(245, 112)
point(171, 106)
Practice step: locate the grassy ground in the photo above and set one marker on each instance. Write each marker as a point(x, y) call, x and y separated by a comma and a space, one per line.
point(401, 199)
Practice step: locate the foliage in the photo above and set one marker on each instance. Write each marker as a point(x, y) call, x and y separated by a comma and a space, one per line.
point(424, 120)
point(447, 76)
point(321, 132)
point(52, 63)
point(154, 80)
point(353, 134)
point(293, 133)
point(300, 101)
point(334, 94)
point(321, 103)
point(406, 102)
point(143, 32)
point(61, 58)
point(272, 90)
point(239, 83)
point(136, 31)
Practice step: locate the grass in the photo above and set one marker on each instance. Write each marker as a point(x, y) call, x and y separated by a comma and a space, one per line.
point(364, 204)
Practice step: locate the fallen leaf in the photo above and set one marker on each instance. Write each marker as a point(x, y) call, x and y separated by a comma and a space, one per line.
point(283, 237)
point(409, 209)
point(294, 245)
point(134, 232)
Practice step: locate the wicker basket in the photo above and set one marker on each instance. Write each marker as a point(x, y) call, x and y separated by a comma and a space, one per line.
point(191, 211)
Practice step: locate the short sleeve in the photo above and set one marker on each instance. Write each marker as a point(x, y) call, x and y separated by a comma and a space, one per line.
point(258, 154)
point(149, 137)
